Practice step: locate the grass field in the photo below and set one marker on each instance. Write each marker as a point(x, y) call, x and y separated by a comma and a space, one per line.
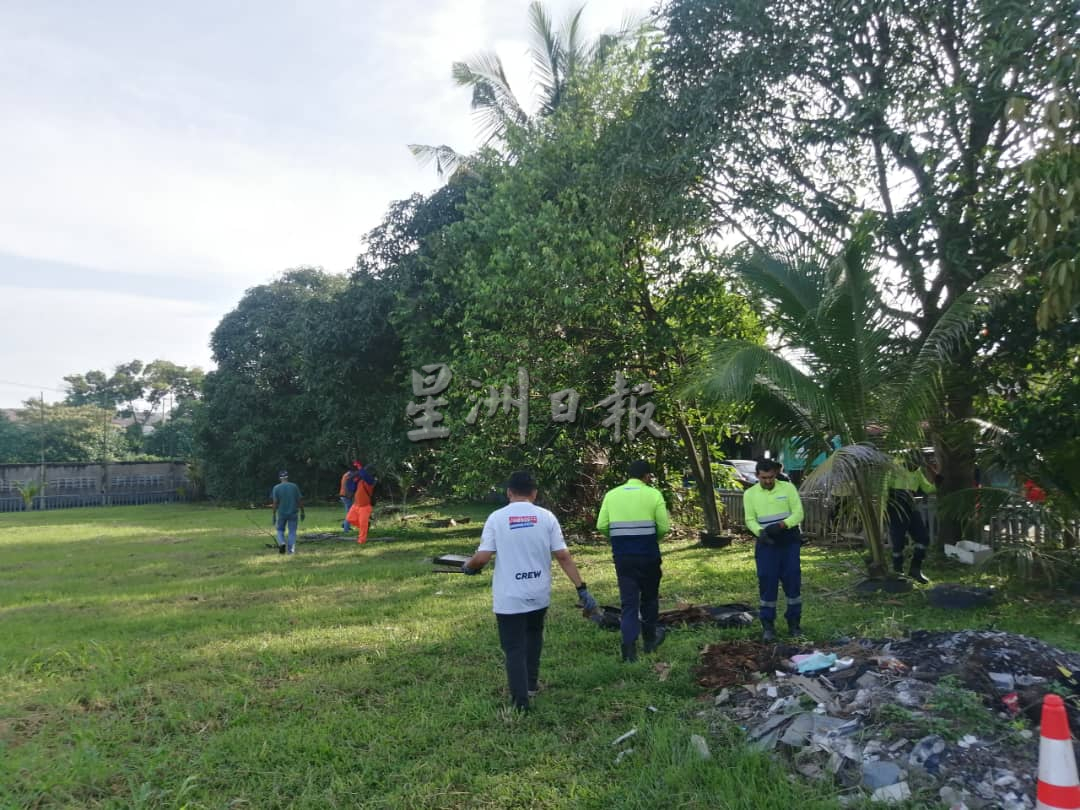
point(163, 657)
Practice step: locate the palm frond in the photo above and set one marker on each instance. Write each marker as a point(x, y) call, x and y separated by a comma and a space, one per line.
point(742, 372)
point(546, 51)
point(446, 159)
point(839, 473)
point(493, 101)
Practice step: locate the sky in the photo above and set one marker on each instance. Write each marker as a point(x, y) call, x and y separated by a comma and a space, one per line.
point(158, 159)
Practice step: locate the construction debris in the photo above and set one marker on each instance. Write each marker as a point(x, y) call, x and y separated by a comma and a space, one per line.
point(942, 718)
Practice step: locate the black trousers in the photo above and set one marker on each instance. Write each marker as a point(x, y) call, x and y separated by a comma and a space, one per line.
point(904, 519)
point(521, 636)
point(639, 593)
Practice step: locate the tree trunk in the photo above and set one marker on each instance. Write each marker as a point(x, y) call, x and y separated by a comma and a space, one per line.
point(701, 468)
point(954, 446)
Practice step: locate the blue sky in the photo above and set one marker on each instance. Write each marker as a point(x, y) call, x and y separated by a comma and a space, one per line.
point(159, 159)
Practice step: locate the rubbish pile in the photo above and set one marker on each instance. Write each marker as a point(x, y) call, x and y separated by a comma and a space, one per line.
point(946, 718)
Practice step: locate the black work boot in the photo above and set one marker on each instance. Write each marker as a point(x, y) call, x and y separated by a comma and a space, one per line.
point(768, 631)
point(898, 563)
point(629, 652)
point(915, 572)
point(794, 628)
point(654, 638)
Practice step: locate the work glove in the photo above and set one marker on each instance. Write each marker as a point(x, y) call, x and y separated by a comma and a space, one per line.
point(775, 531)
point(469, 571)
point(302, 515)
point(585, 599)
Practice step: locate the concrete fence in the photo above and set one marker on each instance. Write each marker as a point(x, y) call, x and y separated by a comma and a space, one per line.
point(72, 485)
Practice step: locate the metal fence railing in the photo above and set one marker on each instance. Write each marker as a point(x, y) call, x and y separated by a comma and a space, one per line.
point(71, 501)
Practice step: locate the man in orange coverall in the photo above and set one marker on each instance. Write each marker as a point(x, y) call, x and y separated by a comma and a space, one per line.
point(360, 513)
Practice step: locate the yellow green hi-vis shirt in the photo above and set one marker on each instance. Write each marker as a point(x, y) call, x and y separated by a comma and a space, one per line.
point(766, 506)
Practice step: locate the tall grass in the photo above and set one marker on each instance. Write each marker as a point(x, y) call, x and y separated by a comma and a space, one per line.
point(164, 657)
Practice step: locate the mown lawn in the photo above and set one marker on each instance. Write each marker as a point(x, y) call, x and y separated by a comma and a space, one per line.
point(164, 657)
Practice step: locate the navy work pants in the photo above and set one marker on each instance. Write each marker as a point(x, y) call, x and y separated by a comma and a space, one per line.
point(639, 593)
point(904, 519)
point(778, 565)
point(521, 636)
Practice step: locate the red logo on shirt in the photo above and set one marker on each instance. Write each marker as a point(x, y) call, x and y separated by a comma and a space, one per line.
point(523, 521)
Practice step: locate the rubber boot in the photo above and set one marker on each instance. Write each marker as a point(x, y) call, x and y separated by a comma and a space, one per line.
point(629, 653)
point(915, 572)
point(898, 563)
point(654, 637)
point(794, 629)
point(768, 631)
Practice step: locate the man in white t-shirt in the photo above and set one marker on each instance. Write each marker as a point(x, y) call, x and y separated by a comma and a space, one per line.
point(525, 536)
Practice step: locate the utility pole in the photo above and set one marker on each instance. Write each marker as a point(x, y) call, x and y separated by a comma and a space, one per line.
point(41, 399)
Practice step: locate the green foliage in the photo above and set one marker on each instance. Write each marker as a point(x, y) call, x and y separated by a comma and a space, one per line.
point(557, 269)
point(559, 57)
point(793, 123)
point(1051, 177)
point(60, 433)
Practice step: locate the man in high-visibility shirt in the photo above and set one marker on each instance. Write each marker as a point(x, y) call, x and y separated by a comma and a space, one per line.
point(773, 514)
point(635, 518)
point(905, 481)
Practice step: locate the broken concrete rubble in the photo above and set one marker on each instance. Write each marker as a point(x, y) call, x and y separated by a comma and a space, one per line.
point(919, 718)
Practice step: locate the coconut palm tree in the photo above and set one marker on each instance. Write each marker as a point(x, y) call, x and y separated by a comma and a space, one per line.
point(557, 57)
point(840, 369)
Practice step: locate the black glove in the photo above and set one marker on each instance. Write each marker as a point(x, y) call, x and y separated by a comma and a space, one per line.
point(775, 531)
point(585, 599)
point(469, 571)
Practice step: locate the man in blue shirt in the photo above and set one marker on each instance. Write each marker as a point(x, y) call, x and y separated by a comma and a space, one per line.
point(288, 503)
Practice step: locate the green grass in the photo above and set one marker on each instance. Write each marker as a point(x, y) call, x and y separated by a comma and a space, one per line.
point(162, 657)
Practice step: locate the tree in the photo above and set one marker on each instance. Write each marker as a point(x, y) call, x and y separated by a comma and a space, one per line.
point(838, 371)
point(1051, 176)
point(557, 269)
point(557, 58)
point(136, 390)
point(793, 121)
point(59, 433)
point(258, 414)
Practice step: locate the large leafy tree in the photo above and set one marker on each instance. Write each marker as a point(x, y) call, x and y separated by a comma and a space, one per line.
point(258, 413)
point(794, 120)
point(558, 56)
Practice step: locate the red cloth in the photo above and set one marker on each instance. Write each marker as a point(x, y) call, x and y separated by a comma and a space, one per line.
point(1033, 492)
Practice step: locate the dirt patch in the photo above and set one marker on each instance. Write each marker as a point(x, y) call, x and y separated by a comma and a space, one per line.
point(733, 663)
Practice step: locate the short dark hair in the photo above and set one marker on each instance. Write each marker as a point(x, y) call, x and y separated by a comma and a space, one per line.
point(767, 465)
point(521, 483)
point(640, 468)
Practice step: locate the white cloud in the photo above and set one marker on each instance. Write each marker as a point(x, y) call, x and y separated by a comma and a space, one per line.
point(46, 336)
point(199, 141)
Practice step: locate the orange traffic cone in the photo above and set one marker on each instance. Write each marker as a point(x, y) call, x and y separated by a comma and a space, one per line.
point(1058, 786)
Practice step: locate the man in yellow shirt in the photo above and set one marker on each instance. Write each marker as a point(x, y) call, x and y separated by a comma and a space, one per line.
point(773, 514)
point(635, 518)
point(906, 480)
